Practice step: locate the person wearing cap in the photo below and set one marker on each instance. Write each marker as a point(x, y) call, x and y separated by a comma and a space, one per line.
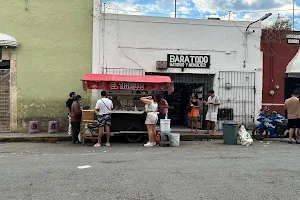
point(76, 114)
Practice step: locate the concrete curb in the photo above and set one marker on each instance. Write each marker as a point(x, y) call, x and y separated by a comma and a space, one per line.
point(49, 138)
point(34, 139)
point(199, 137)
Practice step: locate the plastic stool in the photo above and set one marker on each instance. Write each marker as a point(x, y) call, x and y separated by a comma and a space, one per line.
point(34, 127)
point(53, 127)
point(165, 138)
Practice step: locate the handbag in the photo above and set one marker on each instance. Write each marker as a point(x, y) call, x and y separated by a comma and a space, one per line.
point(190, 107)
point(144, 115)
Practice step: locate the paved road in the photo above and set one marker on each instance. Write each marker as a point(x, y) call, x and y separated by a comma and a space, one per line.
point(196, 170)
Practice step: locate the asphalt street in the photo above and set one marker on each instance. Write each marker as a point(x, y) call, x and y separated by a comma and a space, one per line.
point(195, 170)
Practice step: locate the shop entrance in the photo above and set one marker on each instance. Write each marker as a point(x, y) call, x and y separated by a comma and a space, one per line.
point(184, 85)
point(291, 84)
point(4, 96)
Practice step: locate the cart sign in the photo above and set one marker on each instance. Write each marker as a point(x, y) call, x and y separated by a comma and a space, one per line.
point(188, 61)
point(293, 38)
point(126, 86)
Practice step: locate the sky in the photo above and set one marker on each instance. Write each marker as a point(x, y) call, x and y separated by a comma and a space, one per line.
point(247, 10)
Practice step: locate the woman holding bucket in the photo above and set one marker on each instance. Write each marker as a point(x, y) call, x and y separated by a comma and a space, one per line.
point(151, 118)
point(194, 112)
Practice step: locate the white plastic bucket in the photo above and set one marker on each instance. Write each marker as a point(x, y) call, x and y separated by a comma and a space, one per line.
point(175, 139)
point(165, 125)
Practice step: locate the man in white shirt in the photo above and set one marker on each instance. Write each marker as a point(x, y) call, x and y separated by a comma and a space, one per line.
point(103, 110)
point(213, 103)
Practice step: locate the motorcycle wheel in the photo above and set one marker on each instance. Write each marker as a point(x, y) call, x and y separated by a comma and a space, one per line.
point(259, 133)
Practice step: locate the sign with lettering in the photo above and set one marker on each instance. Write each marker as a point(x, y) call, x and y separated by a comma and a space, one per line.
point(114, 85)
point(126, 86)
point(188, 61)
point(293, 38)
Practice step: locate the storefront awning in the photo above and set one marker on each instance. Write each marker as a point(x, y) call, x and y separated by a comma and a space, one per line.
point(7, 40)
point(122, 82)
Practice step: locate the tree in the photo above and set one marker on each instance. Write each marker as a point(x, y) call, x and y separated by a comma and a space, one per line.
point(275, 33)
point(281, 23)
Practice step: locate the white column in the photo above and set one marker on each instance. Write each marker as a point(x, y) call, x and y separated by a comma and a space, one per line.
point(96, 62)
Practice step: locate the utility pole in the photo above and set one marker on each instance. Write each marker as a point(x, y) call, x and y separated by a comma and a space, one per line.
point(293, 15)
point(175, 5)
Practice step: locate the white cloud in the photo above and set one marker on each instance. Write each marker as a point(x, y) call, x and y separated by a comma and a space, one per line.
point(247, 10)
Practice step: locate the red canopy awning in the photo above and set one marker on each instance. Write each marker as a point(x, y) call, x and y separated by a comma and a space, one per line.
point(123, 82)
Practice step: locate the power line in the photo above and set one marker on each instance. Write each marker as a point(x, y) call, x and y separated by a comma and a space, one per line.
point(191, 15)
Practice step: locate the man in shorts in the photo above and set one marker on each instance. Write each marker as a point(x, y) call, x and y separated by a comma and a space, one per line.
point(292, 106)
point(213, 103)
point(103, 111)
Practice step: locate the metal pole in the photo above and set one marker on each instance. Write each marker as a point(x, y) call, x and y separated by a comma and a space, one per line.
point(293, 15)
point(175, 9)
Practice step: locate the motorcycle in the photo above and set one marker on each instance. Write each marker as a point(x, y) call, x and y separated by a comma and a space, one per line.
point(273, 125)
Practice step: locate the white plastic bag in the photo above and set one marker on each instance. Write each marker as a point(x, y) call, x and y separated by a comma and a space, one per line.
point(79, 137)
point(245, 137)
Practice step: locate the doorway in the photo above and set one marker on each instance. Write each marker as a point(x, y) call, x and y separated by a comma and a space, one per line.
point(184, 85)
point(5, 96)
point(291, 84)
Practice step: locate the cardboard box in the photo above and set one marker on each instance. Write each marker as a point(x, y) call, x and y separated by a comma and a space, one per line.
point(88, 115)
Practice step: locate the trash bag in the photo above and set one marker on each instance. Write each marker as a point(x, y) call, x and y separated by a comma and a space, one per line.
point(245, 137)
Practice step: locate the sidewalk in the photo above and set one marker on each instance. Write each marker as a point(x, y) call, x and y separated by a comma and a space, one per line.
point(46, 137)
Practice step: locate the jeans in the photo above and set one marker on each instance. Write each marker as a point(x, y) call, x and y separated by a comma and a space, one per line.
point(75, 131)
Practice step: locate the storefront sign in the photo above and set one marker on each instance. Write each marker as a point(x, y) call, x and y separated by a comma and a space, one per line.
point(126, 86)
point(188, 61)
point(293, 38)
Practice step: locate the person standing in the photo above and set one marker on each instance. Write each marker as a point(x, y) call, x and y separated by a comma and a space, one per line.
point(151, 107)
point(163, 108)
point(292, 106)
point(69, 103)
point(103, 110)
point(76, 114)
point(194, 112)
point(116, 103)
point(213, 103)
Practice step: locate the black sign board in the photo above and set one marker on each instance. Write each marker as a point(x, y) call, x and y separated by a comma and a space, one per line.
point(188, 61)
point(293, 38)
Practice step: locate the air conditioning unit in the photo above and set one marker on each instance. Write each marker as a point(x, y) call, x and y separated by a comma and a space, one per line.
point(161, 65)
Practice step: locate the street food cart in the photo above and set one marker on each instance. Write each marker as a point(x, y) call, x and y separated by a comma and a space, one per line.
point(126, 91)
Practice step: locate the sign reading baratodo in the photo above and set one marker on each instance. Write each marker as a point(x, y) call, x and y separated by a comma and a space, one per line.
point(188, 61)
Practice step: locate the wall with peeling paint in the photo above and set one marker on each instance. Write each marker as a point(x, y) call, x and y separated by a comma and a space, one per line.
point(55, 50)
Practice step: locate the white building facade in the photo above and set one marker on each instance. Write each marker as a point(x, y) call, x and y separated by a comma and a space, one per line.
point(215, 54)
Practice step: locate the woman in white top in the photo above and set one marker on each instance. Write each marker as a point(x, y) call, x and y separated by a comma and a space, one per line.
point(151, 119)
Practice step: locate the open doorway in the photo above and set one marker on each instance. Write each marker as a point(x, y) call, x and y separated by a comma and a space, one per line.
point(179, 101)
point(4, 96)
point(184, 85)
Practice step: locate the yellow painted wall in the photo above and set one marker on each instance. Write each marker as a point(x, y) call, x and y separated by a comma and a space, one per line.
point(55, 51)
